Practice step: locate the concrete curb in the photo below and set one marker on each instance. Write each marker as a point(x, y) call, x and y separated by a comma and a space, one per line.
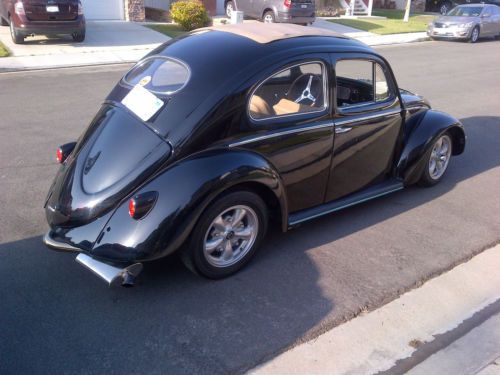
point(21, 63)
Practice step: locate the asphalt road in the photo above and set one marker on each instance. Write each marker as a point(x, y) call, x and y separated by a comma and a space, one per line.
point(56, 317)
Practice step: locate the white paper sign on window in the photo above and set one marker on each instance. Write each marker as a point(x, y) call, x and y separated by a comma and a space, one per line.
point(142, 102)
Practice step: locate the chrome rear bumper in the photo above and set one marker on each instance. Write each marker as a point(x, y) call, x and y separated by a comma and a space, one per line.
point(57, 245)
point(113, 275)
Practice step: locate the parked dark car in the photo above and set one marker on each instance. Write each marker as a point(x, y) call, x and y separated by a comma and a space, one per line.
point(217, 134)
point(44, 17)
point(469, 22)
point(270, 11)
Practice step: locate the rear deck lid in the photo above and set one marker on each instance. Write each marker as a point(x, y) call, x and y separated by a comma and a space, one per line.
point(111, 159)
point(51, 10)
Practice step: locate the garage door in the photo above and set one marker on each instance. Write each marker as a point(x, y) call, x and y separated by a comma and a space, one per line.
point(103, 9)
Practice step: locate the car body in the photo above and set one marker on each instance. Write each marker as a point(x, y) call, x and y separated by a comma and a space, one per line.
point(44, 17)
point(270, 11)
point(444, 6)
point(216, 132)
point(468, 22)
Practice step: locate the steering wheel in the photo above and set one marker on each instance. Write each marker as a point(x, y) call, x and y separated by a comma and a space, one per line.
point(306, 89)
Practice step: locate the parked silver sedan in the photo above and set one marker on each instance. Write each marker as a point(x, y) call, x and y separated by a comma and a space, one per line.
point(469, 22)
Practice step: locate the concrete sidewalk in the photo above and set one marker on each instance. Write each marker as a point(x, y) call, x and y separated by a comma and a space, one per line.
point(370, 38)
point(106, 42)
point(382, 340)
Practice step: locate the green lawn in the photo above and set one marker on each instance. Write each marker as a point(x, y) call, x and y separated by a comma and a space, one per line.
point(3, 51)
point(392, 25)
point(170, 30)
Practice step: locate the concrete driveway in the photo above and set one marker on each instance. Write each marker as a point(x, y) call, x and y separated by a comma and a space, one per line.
point(106, 42)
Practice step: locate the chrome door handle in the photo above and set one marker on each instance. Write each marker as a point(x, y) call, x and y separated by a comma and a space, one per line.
point(342, 129)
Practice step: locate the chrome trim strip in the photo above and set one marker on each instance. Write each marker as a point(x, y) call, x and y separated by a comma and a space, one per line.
point(56, 245)
point(293, 223)
point(367, 117)
point(278, 134)
point(325, 91)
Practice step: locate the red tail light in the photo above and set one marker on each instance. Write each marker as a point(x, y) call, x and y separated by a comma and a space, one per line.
point(131, 207)
point(141, 204)
point(63, 151)
point(19, 8)
point(287, 3)
point(59, 155)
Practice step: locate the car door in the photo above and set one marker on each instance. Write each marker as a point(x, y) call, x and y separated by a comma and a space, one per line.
point(245, 6)
point(488, 25)
point(495, 18)
point(368, 123)
point(258, 7)
point(289, 122)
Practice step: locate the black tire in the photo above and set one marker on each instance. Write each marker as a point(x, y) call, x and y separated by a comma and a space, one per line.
point(79, 36)
point(194, 255)
point(426, 179)
point(16, 37)
point(3, 22)
point(268, 17)
point(229, 8)
point(445, 7)
point(474, 35)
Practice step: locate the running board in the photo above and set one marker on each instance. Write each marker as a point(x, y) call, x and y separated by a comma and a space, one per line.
point(373, 192)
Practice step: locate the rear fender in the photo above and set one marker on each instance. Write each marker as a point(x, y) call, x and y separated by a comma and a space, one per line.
point(185, 189)
point(424, 128)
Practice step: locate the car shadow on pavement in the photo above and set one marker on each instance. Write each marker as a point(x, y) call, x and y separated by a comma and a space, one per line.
point(58, 316)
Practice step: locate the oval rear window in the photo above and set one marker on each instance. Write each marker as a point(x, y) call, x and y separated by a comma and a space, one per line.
point(162, 75)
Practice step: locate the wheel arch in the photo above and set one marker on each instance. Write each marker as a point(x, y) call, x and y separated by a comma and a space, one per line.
point(424, 130)
point(268, 9)
point(271, 200)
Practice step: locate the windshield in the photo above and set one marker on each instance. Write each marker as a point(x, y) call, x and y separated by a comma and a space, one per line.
point(159, 74)
point(465, 11)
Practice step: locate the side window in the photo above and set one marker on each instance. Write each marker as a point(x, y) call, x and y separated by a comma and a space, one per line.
point(295, 90)
point(381, 86)
point(360, 82)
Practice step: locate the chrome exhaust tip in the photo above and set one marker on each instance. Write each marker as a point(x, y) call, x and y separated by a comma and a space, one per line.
point(111, 274)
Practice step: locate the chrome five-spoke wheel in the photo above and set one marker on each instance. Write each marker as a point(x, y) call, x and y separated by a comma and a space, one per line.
point(440, 157)
point(230, 236)
point(227, 234)
point(438, 160)
point(229, 9)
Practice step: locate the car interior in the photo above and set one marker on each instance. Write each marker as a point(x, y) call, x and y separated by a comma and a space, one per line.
point(300, 89)
point(295, 90)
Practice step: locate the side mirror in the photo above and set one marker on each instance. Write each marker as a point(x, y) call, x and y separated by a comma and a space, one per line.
point(486, 15)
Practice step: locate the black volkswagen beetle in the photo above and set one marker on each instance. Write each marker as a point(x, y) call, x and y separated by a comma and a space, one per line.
point(214, 134)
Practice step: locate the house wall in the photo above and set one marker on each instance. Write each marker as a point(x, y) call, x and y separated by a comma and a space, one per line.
point(134, 10)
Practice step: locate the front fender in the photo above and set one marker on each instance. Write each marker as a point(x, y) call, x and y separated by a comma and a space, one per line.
point(424, 128)
point(185, 189)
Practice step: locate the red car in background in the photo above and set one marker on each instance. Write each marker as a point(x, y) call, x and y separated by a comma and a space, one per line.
point(45, 17)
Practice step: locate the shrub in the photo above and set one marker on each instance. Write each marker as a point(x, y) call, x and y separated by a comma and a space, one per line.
point(190, 14)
